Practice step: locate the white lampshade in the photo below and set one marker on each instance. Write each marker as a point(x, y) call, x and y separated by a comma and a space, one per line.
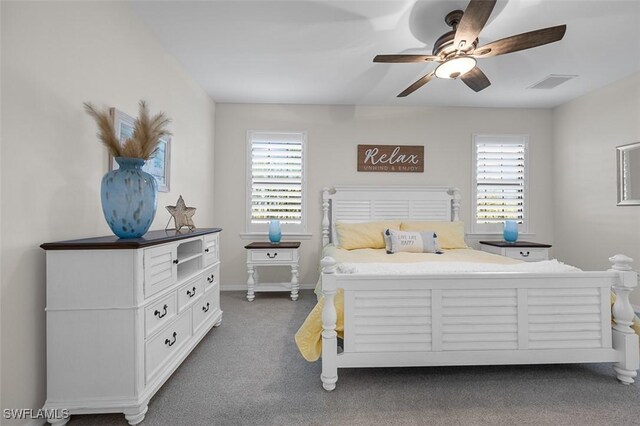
point(455, 67)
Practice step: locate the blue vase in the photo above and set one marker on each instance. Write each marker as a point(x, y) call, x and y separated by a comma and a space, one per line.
point(129, 198)
point(510, 231)
point(275, 234)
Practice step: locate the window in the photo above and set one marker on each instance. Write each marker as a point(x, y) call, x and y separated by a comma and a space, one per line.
point(276, 181)
point(500, 168)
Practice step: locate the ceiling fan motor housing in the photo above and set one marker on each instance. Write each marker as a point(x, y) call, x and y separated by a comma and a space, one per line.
point(444, 45)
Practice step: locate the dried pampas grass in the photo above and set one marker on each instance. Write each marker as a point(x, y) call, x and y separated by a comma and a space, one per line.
point(147, 132)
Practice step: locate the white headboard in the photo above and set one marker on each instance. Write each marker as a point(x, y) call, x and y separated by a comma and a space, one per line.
point(367, 203)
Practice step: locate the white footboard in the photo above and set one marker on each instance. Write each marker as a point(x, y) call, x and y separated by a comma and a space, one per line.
point(480, 319)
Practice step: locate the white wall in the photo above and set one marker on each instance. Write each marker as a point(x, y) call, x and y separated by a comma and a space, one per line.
point(333, 134)
point(589, 226)
point(55, 55)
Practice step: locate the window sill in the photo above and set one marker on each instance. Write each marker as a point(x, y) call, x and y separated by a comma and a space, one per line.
point(285, 235)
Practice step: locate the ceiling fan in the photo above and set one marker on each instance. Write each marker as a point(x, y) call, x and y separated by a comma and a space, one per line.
point(457, 50)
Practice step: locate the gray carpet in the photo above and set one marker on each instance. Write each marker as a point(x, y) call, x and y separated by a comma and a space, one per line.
point(248, 372)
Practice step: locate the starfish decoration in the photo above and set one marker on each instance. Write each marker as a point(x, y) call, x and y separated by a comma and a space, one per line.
point(182, 215)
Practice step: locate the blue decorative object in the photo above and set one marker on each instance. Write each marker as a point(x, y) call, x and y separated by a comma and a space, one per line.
point(510, 231)
point(275, 234)
point(129, 198)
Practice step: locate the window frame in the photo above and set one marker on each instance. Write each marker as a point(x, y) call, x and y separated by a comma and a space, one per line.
point(259, 229)
point(515, 139)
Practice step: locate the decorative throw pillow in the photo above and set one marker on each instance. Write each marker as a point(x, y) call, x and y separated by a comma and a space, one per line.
point(412, 242)
point(450, 234)
point(364, 234)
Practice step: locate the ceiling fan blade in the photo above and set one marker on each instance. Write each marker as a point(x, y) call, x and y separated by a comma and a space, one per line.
point(405, 58)
point(476, 79)
point(415, 86)
point(521, 42)
point(473, 21)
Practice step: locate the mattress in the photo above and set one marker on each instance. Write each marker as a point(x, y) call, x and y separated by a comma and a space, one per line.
point(381, 256)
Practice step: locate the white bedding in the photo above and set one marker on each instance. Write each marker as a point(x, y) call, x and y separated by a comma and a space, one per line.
point(548, 266)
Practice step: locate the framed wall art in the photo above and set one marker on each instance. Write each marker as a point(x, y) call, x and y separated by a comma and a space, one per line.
point(391, 158)
point(159, 166)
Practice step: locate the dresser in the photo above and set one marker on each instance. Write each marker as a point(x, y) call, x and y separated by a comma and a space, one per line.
point(521, 250)
point(122, 315)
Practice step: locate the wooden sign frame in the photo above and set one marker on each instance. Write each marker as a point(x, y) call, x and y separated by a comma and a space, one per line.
point(391, 158)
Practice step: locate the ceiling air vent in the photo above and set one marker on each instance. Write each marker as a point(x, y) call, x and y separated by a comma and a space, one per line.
point(551, 81)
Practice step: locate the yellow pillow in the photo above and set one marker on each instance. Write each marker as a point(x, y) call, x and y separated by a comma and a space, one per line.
point(450, 234)
point(364, 234)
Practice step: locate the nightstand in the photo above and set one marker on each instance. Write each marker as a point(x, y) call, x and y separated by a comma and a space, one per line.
point(521, 250)
point(261, 254)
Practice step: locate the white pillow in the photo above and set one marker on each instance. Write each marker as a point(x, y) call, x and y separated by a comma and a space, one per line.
point(412, 242)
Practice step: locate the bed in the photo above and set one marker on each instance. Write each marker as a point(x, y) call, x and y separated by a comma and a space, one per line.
point(464, 318)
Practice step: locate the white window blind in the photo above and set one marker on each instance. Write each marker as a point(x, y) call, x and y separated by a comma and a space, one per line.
point(500, 181)
point(276, 167)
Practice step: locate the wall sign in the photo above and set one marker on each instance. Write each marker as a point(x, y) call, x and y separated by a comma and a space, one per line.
point(391, 158)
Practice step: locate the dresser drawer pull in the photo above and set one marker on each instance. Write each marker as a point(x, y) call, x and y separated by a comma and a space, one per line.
point(272, 257)
point(211, 278)
point(191, 292)
point(206, 308)
point(206, 250)
point(171, 342)
point(524, 255)
point(176, 261)
point(158, 314)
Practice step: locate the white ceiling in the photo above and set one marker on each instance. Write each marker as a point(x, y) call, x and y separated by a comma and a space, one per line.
point(320, 52)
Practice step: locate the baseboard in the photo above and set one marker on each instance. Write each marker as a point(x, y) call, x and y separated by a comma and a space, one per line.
point(243, 287)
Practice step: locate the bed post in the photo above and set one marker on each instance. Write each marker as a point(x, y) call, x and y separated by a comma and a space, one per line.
point(455, 203)
point(325, 216)
point(329, 374)
point(625, 341)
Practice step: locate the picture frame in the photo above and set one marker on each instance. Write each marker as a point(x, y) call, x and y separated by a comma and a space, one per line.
point(159, 166)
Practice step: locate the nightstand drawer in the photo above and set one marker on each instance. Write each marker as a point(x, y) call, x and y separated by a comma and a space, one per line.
point(276, 255)
point(528, 254)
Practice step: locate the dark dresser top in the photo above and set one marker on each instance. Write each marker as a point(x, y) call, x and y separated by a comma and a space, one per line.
point(112, 242)
point(268, 245)
point(516, 244)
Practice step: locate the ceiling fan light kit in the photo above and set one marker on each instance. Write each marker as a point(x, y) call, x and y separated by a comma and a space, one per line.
point(457, 50)
point(455, 67)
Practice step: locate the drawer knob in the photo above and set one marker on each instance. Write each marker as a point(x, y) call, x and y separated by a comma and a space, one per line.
point(171, 342)
point(191, 292)
point(523, 254)
point(270, 256)
point(176, 261)
point(211, 278)
point(158, 314)
point(206, 250)
point(206, 308)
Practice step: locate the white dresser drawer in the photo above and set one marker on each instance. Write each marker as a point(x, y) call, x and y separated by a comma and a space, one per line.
point(205, 307)
point(272, 256)
point(189, 292)
point(212, 276)
point(211, 249)
point(160, 268)
point(528, 254)
point(160, 313)
point(160, 349)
